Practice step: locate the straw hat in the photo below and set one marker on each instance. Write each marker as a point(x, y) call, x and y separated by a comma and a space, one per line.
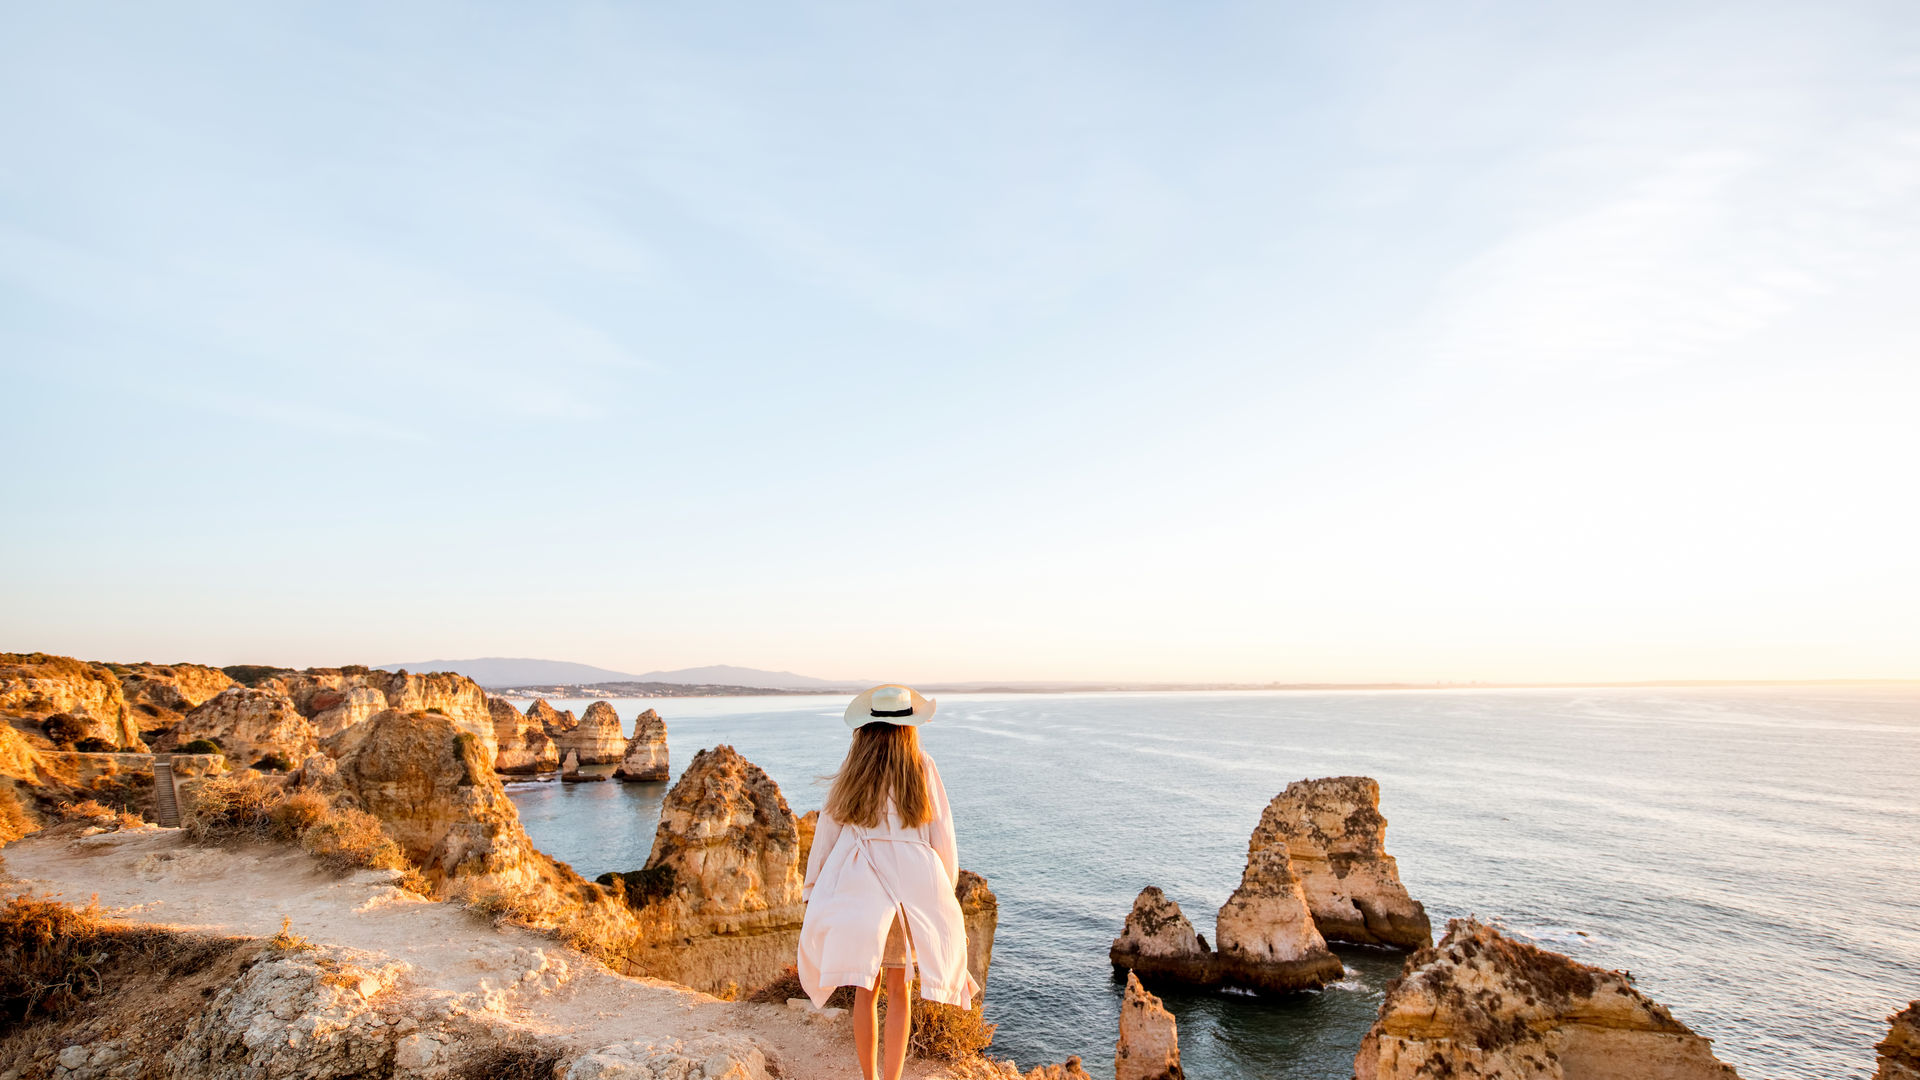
point(890, 704)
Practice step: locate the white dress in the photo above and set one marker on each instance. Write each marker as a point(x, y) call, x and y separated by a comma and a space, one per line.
point(859, 878)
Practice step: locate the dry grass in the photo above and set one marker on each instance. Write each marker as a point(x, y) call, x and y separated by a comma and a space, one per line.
point(231, 809)
point(285, 940)
point(52, 956)
point(93, 812)
point(297, 813)
point(352, 840)
point(520, 1058)
point(70, 978)
point(16, 820)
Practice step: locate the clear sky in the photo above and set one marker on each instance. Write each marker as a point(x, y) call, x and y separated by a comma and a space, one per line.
point(1173, 341)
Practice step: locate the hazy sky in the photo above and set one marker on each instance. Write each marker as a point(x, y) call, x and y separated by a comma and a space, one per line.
point(1172, 341)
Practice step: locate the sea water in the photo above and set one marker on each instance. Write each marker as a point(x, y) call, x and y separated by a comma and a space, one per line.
point(1751, 855)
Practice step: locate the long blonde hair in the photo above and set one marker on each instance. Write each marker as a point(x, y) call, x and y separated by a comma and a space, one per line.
point(883, 761)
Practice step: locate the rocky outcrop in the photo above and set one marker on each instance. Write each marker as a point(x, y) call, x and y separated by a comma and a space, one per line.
point(159, 695)
point(553, 721)
point(984, 1068)
point(335, 699)
point(314, 1012)
point(1900, 1050)
point(1334, 833)
point(1480, 1004)
point(1265, 934)
point(596, 738)
point(523, 743)
point(39, 686)
point(249, 724)
point(645, 758)
point(1149, 1044)
point(1158, 940)
point(1267, 939)
point(729, 847)
point(980, 913)
point(18, 759)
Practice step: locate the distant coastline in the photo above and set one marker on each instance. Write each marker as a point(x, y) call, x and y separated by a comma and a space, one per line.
point(626, 689)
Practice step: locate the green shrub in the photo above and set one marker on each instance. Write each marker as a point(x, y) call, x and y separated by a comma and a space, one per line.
point(250, 674)
point(64, 728)
point(272, 763)
point(94, 744)
point(201, 746)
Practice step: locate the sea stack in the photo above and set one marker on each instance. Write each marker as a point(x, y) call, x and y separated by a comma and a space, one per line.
point(1266, 936)
point(523, 743)
point(646, 754)
point(596, 737)
point(729, 846)
point(554, 722)
point(1334, 833)
point(1900, 1051)
point(1480, 1004)
point(1158, 941)
point(1149, 1045)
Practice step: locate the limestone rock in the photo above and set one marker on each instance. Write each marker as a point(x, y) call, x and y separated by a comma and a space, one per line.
point(555, 722)
point(984, 1068)
point(715, 1057)
point(1156, 929)
point(646, 753)
point(1480, 1004)
point(249, 724)
point(158, 695)
point(523, 743)
point(1266, 935)
point(1900, 1051)
point(1149, 1044)
point(809, 822)
point(18, 759)
point(335, 699)
point(730, 847)
point(312, 1014)
point(596, 738)
point(1333, 831)
point(38, 685)
point(979, 913)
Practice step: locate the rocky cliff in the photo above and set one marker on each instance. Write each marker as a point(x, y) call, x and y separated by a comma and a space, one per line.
point(645, 757)
point(1149, 1044)
point(249, 724)
point(335, 699)
point(523, 743)
point(1334, 833)
point(596, 738)
point(86, 697)
point(1480, 1004)
point(1900, 1050)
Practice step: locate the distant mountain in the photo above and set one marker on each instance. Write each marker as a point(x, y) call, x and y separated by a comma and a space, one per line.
point(728, 675)
point(513, 671)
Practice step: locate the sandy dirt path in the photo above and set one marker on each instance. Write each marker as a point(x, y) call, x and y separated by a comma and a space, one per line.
point(457, 961)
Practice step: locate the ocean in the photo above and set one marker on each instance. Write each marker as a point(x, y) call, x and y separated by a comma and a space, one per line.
point(1751, 855)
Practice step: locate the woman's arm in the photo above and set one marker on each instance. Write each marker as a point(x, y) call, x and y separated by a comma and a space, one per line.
point(940, 829)
point(825, 832)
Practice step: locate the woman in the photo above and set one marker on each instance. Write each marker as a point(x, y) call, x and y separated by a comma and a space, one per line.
point(880, 879)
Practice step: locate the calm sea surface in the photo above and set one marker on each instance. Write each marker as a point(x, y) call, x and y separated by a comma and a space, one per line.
point(1752, 856)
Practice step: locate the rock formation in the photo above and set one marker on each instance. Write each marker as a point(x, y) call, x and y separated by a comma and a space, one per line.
point(1158, 941)
point(18, 759)
point(1900, 1050)
point(249, 724)
point(1265, 933)
point(1149, 1044)
point(523, 743)
point(335, 699)
point(555, 722)
point(1267, 939)
point(1480, 1004)
point(1334, 833)
point(646, 753)
point(159, 695)
point(980, 913)
point(596, 738)
point(38, 686)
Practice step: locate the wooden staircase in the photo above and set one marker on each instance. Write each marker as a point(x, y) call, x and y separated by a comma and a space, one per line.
point(166, 794)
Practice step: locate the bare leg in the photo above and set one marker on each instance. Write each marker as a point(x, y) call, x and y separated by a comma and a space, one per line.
point(899, 1021)
point(866, 1029)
